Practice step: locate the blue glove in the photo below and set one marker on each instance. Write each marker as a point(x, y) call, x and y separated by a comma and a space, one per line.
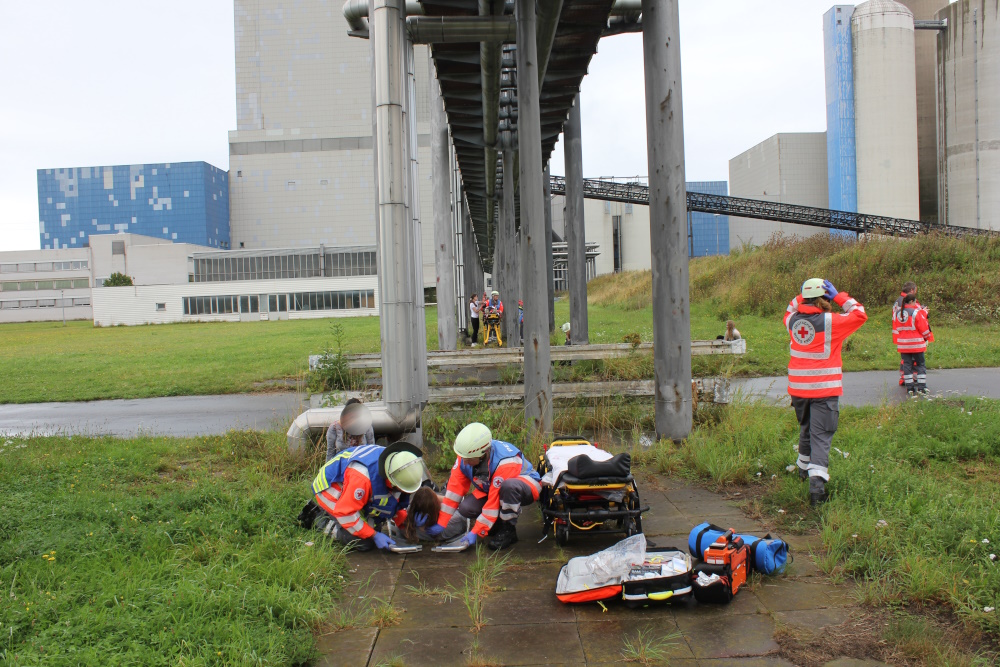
point(383, 541)
point(419, 520)
point(435, 530)
point(470, 538)
point(831, 291)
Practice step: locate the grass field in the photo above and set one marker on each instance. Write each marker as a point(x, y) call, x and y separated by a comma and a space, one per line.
point(915, 509)
point(159, 552)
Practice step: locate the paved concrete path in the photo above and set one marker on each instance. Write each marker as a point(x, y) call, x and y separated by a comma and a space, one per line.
point(173, 416)
point(214, 415)
point(527, 625)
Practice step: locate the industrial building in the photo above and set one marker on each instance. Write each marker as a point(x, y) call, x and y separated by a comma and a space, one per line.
point(301, 155)
point(182, 282)
point(187, 202)
point(789, 168)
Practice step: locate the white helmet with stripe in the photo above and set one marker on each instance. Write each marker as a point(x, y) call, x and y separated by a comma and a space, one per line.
point(473, 441)
point(813, 288)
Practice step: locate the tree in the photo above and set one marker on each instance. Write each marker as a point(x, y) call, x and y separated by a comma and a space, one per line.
point(118, 280)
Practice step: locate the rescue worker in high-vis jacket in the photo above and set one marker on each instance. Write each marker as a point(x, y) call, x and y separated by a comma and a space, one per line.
point(815, 378)
point(362, 488)
point(502, 482)
point(910, 334)
point(909, 287)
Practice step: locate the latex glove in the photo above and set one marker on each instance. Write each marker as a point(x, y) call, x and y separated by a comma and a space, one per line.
point(419, 520)
point(383, 541)
point(470, 538)
point(434, 530)
point(831, 291)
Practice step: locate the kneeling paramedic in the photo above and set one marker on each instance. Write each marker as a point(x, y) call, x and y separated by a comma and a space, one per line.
point(502, 482)
point(815, 379)
point(367, 483)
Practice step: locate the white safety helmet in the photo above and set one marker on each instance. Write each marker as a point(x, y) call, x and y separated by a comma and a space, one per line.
point(473, 441)
point(356, 419)
point(813, 288)
point(495, 293)
point(565, 327)
point(403, 466)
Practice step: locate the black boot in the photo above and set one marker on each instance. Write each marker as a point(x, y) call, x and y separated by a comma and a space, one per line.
point(816, 499)
point(803, 475)
point(309, 514)
point(922, 389)
point(503, 535)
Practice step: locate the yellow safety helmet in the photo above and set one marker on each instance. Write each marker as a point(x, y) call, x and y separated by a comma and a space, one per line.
point(402, 466)
point(813, 288)
point(473, 441)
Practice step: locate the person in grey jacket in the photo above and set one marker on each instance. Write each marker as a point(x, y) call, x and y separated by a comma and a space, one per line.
point(353, 429)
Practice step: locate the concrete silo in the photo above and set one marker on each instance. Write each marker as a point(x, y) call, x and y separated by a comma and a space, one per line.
point(885, 109)
point(968, 78)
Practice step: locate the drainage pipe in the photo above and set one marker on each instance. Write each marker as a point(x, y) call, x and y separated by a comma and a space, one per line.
point(492, 31)
point(314, 423)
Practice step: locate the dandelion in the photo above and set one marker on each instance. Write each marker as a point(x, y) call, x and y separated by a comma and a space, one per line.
point(993, 557)
point(882, 523)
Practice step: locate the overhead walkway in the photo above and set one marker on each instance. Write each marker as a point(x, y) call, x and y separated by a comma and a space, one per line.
point(636, 192)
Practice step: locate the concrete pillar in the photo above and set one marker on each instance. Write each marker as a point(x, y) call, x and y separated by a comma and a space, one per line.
point(444, 245)
point(576, 242)
point(471, 260)
point(421, 390)
point(395, 227)
point(537, 359)
point(550, 276)
point(667, 215)
point(505, 271)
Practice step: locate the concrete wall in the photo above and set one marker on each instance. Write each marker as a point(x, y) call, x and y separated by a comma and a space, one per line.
point(35, 284)
point(149, 261)
point(301, 156)
point(787, 168)
point(138, 304)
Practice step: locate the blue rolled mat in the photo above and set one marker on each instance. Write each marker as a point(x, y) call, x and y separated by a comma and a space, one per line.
point(767, 554)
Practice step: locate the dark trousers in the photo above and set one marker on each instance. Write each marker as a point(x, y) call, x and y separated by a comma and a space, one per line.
point(475, 328)
point(817, 423)
point(913, 364)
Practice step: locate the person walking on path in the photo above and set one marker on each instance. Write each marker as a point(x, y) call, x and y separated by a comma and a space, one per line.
point(910, 334)
point(815, 376)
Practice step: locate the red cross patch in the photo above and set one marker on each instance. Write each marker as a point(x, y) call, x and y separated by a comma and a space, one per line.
point(497, 482)
point(359, 494)
point(803, 332)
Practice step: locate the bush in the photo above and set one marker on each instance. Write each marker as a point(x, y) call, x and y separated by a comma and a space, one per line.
point(118, 280)
point(333, 372)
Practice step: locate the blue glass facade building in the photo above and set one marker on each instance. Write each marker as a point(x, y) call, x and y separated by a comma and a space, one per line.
point(708, 233)
point(841, 154)
point(187, 202)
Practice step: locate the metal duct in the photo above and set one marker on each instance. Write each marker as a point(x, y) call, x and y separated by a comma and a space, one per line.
point(356, 13)
point(306, 425)
point(459, 29)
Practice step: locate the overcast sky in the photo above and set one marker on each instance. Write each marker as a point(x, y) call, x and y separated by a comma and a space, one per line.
point(116, 82)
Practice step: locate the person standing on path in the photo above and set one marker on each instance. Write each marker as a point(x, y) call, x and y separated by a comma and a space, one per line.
point(910, 334)
point(474, 318)
point(909, 288)
point(815, 376)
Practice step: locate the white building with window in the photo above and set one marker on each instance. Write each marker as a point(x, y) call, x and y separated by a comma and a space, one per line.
point(179, 282)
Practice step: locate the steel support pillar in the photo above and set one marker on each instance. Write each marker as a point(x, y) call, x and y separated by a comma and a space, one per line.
point(471, 262)
point(444, 242)
point(419, 338)
point(667, 218)
point(537, 360)
point(505, 268)
point(395, 226)
point(549, 273)
point(576, 241)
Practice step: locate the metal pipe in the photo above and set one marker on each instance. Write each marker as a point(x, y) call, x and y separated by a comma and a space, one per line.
point(576, 241)
point(419, 337)
point(505, 280)
point(667, 212)
point(315, 422)
point(356, 12)
point(975, 87)
point(460, 29)
point(537, 363)
point(549, 274)
point(395, 237)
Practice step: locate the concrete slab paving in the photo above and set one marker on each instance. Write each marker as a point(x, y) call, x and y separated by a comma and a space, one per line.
point(526, 625)
point(854, 662)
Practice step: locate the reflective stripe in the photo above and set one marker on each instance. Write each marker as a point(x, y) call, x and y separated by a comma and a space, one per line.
point(827, 342)
point(819, 471)
point(802, 372)
point(849, 304)
point(360, 467)
point(803, 462)
point(491, 513)
point(447, 511)
point(809, 386)
point(535, 485)
point(325, 501)
point(910, 340)
point(451, 495)
point(350, 519)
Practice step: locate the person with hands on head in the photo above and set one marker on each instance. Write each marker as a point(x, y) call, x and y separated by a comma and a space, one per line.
point(815, 377)
point(502, 483)
point(362, 488)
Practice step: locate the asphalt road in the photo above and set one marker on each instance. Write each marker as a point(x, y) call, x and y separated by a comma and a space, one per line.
point(211, 415)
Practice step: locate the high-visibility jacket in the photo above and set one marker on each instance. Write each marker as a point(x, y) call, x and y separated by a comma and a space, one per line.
point(814, 367)
point(495, 304)
point(503, 461)
point(350, 487)
point(910, 330)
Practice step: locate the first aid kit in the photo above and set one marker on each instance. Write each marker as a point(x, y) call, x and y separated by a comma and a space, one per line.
point(768, 554)
point(724, 570)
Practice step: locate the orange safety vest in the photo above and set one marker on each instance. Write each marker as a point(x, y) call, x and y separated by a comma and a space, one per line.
point(814, 367)
point(910, 330)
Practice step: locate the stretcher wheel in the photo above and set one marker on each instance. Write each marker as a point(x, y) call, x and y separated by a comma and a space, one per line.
point(562, 535)
point(631, 528)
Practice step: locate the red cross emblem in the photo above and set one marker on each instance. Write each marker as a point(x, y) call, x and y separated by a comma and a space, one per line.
point(804, 332)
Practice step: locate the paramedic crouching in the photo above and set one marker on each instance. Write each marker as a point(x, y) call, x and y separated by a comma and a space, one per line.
point(815, 378)
point(502, 482)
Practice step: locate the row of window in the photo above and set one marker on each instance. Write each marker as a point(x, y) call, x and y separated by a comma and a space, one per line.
point(271, 267)
point(33, 267)
point(44, 303)
point(278, 303)
point(33, 285)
